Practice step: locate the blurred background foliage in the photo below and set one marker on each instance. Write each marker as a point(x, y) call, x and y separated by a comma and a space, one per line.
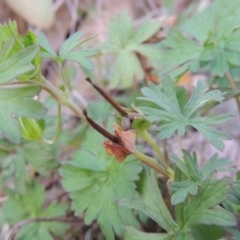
point(115, 25)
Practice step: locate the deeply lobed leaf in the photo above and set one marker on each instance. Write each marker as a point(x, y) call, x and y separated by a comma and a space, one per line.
point(96, 181)
point(125, 41)
point(174, 119)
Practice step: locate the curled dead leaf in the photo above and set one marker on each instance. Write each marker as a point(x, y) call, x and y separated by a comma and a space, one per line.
point(125, 147)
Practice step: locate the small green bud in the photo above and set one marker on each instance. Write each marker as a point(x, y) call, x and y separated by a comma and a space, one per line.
point(31, 129)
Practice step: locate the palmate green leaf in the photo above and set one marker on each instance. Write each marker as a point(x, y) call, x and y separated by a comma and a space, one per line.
point(18, 64)
point(18, 102)
point(96, 181)
point(30, 205)
point(174, 119)
point(67, 51)
point(209, 40)
point(124, 41)
point(194, 177)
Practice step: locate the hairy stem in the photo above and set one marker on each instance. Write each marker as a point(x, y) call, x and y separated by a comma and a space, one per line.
point(66, 87)
point(59, 125)
point(151, 162)
point(145, 135)
point(62, 99)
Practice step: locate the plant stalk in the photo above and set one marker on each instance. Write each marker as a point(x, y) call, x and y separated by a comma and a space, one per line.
point(151, 162)
point(59, 125)
point(62, 99)
point(66, 87)
point(145, 135)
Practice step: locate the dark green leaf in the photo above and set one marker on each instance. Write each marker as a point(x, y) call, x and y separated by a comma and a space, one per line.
point(96, 181)
point(209, 195)
point(147, 203)
point(218, 216)
point(211, 232)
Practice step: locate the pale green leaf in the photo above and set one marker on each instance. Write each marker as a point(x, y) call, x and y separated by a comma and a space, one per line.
point(124, 41)
point(18, 64)
point(18, 102)
point(174, 119)
point(127, 68)
point(204, 41)
point(72, 42)
point(6, 48)
point(81, 58)
point(145, 31)
point(46, 48)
